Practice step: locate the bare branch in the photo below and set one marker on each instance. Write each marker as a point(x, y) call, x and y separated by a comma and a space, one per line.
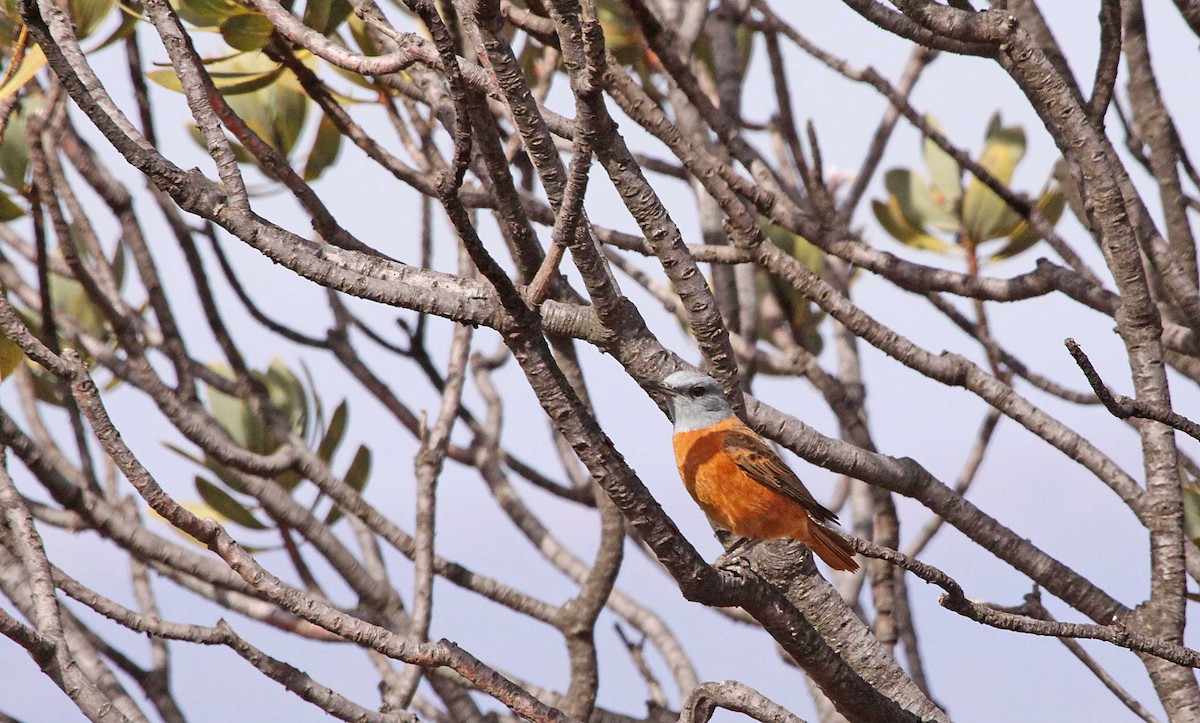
point(1123, 407)
point(735, 696)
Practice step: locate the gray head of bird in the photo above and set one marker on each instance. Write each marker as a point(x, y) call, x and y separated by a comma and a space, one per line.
point(695, 400)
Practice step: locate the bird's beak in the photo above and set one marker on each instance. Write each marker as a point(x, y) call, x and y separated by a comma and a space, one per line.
point(665, 397)
point(658, 387)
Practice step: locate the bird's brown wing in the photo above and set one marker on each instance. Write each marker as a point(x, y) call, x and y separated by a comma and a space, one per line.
point(756, 458)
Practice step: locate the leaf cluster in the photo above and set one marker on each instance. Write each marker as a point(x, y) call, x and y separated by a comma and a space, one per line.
point(917, 209)
point(226, 498)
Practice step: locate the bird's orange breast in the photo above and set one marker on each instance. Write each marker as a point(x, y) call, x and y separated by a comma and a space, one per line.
point(729, 496)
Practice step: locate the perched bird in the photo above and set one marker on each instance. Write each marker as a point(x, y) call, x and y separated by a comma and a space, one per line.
point(735, 476)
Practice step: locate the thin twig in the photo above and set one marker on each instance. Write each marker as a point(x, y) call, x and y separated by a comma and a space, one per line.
point(1123, 407)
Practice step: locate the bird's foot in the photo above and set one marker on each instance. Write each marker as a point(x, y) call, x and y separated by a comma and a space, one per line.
point(734, 559)
point(736, 564)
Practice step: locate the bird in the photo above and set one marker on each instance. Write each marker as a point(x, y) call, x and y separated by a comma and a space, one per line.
point(738, 480)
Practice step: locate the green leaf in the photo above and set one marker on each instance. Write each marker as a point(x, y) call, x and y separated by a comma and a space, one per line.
point(985, 216)
point(204, 512)
point(800, 314)
point(166, 78)
point(211, 12)
point(276, 113)
point(808, 254)
point(230, 83)
point(186, 15)
point(334, 433)
point(1012, 141)
point(324, 149)
point(287, 393)
point(892, 219)
point(358, 31)
point(944, 171)
point(10, 357)
point(68, 296)
point(360, 469)
point(1007, 224)
point(235, 416)
point(356, 477)
point(14, 151)
point(247, 31)
point(129, 21)
point(239, 151)
point(224, 503)
point(227, 476)
point(622, 35)
point(88, 14)
point(794, 244)
point(9, 211)
point(315, 416)
point(1191, 512)
point(289, 109)
point(258, 439)
point(10, 23)
point(288, 479)
point(231, 413)
point(917, 202)
point(47, 389)
point(794, 309)
point(33, 61)
point(118, 264)
point(1051, 206)
point(993, 125)
point(325, 16)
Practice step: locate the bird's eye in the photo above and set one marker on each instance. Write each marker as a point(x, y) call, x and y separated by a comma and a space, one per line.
point(696, 391)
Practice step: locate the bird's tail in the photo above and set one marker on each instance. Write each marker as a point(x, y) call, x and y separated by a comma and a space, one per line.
point(836, 552)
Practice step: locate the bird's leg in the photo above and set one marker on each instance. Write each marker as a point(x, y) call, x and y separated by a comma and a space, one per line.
point(741, 546)
point(735, 556)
